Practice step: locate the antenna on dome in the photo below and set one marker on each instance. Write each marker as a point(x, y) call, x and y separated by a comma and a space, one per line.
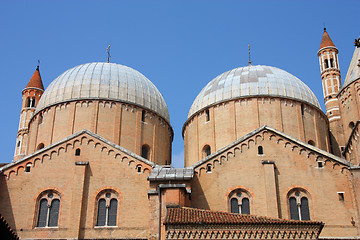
point(324, 26)
point(108, 53)
point(38, 65)
point(249, 56)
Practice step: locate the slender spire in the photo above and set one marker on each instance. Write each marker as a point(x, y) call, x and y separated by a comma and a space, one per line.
point(35, 80)
point(249, 56)
point(108, 52)
point(326, 40)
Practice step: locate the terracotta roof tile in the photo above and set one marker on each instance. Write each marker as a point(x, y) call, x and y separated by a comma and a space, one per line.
point(185, 215)
point(326, 40)
point(35, 80)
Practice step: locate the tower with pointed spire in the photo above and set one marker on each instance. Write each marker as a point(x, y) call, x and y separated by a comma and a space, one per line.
point(331, 83)
point(30, 96)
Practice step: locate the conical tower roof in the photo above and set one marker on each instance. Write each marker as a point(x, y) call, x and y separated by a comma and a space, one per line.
point(35, 80)
point(326, 40)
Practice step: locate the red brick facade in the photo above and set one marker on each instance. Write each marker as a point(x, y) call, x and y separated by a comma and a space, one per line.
point(257, 167)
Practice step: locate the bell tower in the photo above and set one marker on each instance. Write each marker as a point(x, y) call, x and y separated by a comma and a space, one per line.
point(331, 83)
point(30, 98)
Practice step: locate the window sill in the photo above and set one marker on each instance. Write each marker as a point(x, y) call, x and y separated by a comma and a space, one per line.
point(102, 227)
point(46, 228)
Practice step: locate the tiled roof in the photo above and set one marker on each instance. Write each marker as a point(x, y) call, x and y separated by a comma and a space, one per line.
point(185, 215)
point(326, 40)
point(35, 80)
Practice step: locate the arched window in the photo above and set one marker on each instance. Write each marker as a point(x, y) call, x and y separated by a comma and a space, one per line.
point(40, 118)
point(208, 168)
point(311, 142)
point(40, 146)
point(77, 152)
point(206, 151)
point(107, 205)
point(302, 109)
point(239, 201)
point(30, 102)
point(207, 114)
point(260, 150)
point(138, 168)
point(48, 209)
point(299, 205)
point(145, 151)
point(28, 167)
point(143, 114)
point(326, 63)
point(27, 103)
point(331, 62)
point(351, 125)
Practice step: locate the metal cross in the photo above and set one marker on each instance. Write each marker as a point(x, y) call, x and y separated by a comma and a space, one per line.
point(249, 56)
point(108, 52)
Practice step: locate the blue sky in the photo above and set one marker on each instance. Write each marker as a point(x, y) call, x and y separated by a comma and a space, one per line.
point(179, 45)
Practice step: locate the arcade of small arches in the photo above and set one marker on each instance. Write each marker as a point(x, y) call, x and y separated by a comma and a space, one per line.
point(76, 145)
point(320, 161)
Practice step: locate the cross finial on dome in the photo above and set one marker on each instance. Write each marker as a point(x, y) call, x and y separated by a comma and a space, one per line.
point(249, 56)
point(108, 52)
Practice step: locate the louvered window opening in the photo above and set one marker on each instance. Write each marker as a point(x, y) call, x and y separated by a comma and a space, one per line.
point(107, 213)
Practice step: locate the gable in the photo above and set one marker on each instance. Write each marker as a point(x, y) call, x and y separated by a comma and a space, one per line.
point(101, 166)
point(255, 137)
point(285, 166)
point(79, 140)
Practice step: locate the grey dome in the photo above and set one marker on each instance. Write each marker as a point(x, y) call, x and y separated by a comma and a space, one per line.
point(252, 81)
point(354, 68)
point(107, 81)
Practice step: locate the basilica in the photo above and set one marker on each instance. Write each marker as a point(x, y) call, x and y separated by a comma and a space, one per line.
point(262, 160)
